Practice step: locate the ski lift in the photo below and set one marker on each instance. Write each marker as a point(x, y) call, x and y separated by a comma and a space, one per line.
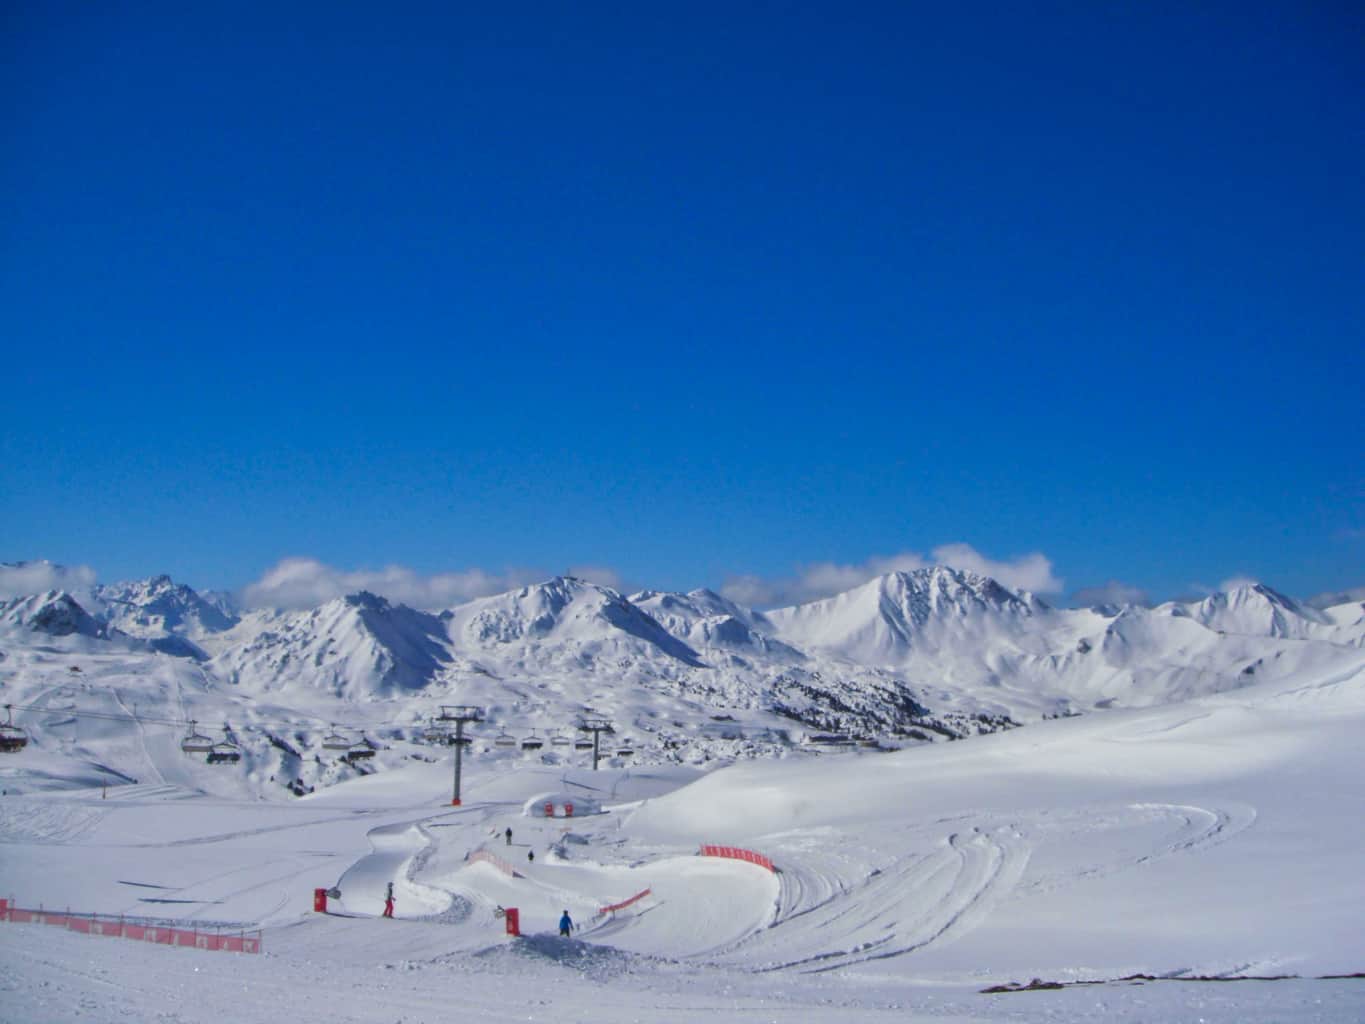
point(360, 751)
point(559, 739)
point(435, 734)
point(196, 742)
point(505, 739)
point(625, 750)
point(335, 741)
point(226, 752)
point(582, 743)
point(13, 738)
point(532, 742)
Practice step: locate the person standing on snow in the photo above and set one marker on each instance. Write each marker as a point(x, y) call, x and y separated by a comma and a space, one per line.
point(565, 925)
point(508, 834)
point(388, 901)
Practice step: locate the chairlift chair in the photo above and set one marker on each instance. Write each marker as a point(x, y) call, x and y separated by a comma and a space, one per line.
point(225, 752)
point(560, 740)
point(335, 741)
point(13, 738)
point(583, 743)
point(505, 739)
point(435, 734)
point(358, 752)
point(196, 742)
point(532, 742)
point(625, 750)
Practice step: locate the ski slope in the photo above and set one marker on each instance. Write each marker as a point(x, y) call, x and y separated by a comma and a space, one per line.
point(1217, 837)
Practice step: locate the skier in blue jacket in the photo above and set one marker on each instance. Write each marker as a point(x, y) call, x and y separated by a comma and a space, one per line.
point(565, 924)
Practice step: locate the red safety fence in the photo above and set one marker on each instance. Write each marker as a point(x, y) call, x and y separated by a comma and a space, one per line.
point(625, 903)
point(483, 856)
point(737, 853)
point(139, 931)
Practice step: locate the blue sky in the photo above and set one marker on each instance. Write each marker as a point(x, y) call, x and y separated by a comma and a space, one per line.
point(687, 293)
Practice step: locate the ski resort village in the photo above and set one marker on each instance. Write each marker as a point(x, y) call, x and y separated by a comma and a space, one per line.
point(931, 797)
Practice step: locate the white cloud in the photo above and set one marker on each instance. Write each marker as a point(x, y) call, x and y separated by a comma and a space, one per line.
point(20, 579)
point(1032, 572)
point(307, 583)
point(1111, 593)
point(1236, 583)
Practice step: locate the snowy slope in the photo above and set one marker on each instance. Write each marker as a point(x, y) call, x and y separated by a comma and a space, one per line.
point(54, 613)
point(158, 607)
point(928, 610)
point(687, 678)
point(1205, 838)
point(1253, 610)
point(563, 620)
point(356, 647)
point(722, 630)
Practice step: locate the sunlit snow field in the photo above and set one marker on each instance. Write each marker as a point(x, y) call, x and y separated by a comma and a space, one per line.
point(1216, 838)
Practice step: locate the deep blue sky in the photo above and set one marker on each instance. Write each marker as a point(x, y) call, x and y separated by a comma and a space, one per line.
point(688, 291)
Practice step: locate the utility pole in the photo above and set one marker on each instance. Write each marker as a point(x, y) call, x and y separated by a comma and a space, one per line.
point(596, 726)
point(459, 714)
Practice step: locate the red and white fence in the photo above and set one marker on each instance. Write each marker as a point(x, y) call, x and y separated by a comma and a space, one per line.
point(139, 931)
point(484, 857)
point(625, 903)
point(737, 853)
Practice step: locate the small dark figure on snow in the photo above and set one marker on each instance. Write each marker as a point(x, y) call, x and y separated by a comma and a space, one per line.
point(565, 925)
point(508, 834)
point(531, 855)
point(388, 901)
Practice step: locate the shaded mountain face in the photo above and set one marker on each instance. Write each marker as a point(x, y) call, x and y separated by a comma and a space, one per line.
point(158, 606)
point(55, 613)
point(718, 628)
point(358, 646)
point(563, 617)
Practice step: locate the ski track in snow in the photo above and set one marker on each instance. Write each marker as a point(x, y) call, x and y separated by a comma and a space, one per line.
point(1196, 829)
point(827, 921)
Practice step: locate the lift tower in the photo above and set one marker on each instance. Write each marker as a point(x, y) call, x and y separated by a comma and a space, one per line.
point(459, 714)
point(596, 726)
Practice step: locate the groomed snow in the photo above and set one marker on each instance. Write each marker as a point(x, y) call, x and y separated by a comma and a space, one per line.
point(1217, 837)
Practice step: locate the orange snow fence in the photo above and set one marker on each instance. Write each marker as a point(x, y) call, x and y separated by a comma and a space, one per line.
point(625, 903)
point(138, 931)
point(737, 853)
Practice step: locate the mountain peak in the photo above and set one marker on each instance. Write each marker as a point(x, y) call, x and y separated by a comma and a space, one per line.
point(885, 619)
point(1252, 609)
point(564, 610)
point(55, 613)
point(158, 606)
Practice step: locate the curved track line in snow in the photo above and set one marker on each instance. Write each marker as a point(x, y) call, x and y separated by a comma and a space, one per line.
point(911, 903)
point(1197, 829)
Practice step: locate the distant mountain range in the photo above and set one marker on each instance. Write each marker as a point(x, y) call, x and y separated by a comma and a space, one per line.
point(907, 657)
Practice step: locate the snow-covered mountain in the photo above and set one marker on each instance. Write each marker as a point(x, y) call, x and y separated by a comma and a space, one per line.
point(54, 613)
point(719, 628)
point(563, 619)
point(158, 607)
point(935, 610)
point(1253, 610)
point(908, 657)
point(354, 647)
